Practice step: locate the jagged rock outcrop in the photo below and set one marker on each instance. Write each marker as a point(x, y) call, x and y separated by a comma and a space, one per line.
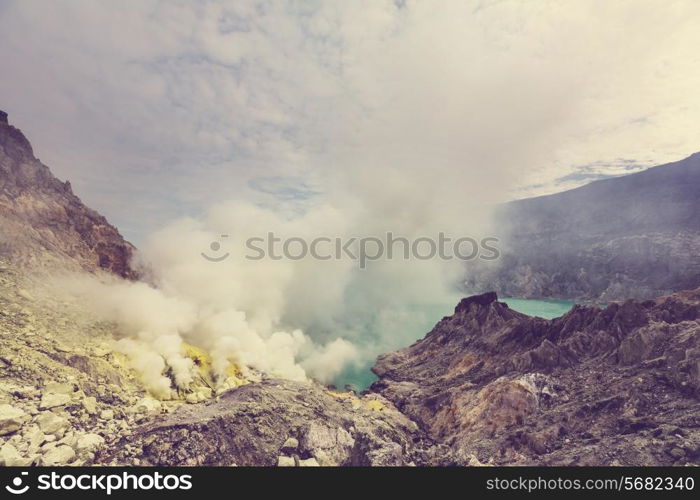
point(619, 385)
point(280, 422)
point(634, 236)
point(42, 221)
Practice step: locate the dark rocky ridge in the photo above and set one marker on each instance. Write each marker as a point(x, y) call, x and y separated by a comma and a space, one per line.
point(619, 385)
point(635, 236)
point(42, 221)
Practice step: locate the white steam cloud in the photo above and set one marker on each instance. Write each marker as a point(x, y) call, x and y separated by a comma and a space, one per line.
point(443, 147)
point(346, 119)
point(295, 319)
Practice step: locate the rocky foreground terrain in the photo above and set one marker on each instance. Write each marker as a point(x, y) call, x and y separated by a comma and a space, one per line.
point(63, 392)
point(67, 398)
point(635, 236)
point(613, 386)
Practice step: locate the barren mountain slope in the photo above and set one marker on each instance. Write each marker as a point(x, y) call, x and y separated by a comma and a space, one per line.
point(43, 224)
point(635, 236)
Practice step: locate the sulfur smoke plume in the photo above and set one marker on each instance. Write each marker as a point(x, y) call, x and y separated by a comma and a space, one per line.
point(296, 319)
point(415, 122)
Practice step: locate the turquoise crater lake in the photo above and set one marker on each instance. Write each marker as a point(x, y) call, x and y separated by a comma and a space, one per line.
point(547, 309)
point(360, 378)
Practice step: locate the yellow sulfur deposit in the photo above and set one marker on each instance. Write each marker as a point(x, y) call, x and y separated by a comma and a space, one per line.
point(357, 403)
point(201, 358)
point(374, 405)
point(204, 386)
point(342, 395)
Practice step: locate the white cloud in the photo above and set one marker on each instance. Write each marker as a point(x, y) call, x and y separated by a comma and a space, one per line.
point(164, 103)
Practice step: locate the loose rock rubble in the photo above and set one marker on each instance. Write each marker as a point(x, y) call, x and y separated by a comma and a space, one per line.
point(278, 423)
point(59, 401)
point(61, 433)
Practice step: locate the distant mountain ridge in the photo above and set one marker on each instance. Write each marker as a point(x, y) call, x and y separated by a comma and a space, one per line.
point(635, 236)
point(42, 222)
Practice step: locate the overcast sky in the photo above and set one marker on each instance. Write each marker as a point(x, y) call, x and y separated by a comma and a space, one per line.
point(154, 110)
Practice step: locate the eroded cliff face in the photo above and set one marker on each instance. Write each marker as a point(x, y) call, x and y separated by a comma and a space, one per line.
point(43, 224)
point(609, 386)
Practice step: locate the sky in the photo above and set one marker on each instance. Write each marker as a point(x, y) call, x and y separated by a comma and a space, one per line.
point(156, 110)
